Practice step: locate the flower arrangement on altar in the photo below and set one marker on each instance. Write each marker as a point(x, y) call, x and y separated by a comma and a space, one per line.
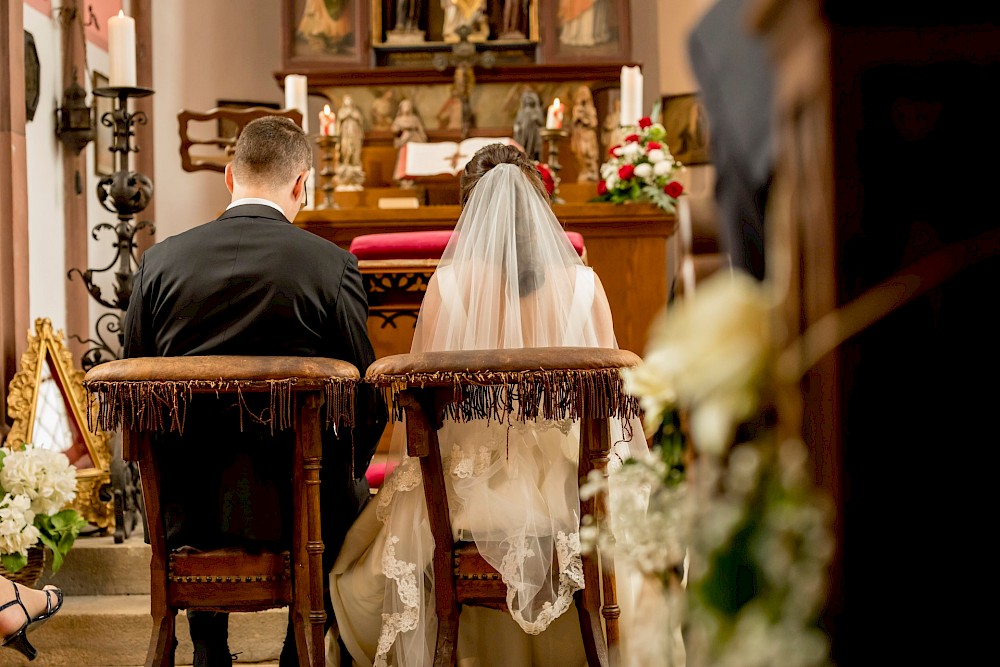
point(731, 532)
point(36, 485)
point(641, 169)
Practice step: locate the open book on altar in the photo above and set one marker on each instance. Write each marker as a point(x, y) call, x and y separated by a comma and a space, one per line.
point(441, 157)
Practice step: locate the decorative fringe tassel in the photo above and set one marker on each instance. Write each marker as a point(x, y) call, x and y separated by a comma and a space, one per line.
point(554, 394)
point(161, 406)
point(339, 405)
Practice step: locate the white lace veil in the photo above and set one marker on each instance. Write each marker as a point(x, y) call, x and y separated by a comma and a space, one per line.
point(509, 278)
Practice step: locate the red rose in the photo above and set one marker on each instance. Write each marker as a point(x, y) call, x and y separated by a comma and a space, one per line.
point(611, 151)
point(547, 179)
point(632, 138)
point(673, 189)
point(645, 122)
point(602, 188)
point(626, 171)
point(653, 145)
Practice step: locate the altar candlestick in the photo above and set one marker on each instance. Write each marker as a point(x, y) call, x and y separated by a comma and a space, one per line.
point(327, 122)
point(121, 50)
point(296, 97)
point(554, 119)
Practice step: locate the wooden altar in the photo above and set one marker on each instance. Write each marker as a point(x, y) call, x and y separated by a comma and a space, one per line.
point(626, 245)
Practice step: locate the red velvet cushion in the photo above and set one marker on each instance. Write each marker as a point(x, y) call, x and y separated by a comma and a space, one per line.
point(417, 245)
point(377, 472)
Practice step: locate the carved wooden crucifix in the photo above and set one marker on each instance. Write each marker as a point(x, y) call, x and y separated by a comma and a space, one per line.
point(464, 58)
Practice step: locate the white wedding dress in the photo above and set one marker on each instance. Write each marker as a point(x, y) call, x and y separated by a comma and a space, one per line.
point(508, 279)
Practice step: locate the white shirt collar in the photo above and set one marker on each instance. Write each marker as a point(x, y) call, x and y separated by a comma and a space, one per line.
point(256, 200)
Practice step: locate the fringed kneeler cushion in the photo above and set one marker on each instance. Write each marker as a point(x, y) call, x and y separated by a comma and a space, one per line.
point(153, 393)
point(528, 383)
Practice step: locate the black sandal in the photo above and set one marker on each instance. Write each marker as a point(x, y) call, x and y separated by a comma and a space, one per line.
point(19, 640)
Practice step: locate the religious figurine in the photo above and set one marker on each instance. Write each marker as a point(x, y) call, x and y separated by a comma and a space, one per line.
point(407, 26)
point(611, 131)
point(528, 124)
point(352, 136)
point(583, 139)
point(407, 125)
point(325, 25)
point(407, 15)
point(456, 112)
point(584, 22)
point(449, 116)
point(383, 108)
point(515, 12)
point(458, 13)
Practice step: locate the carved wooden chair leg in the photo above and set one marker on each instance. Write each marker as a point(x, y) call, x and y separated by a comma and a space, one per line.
point(309, 616)
point(136, 445)
point(600, 640)
point(163, 642)
point(588, 602)
point(422, 442)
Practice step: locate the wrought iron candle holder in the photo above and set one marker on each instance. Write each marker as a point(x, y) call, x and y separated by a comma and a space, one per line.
point(328, 156)
point(551, 138)
point(124, 193)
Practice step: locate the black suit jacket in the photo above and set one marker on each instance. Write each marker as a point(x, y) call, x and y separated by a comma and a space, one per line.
point(736, 80)
point(251, 283)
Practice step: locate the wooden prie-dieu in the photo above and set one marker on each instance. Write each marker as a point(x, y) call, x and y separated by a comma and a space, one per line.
point(145, 396)
point(522, 385)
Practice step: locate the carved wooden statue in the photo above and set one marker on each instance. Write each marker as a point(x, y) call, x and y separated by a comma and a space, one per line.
point(528, 124)
point(611, 132)
point(407, 125)
point(383, 109)
point(458, 13)
point(515, 15)
point(406, 28)
point(350, 176)
point(583, 139)
point(352, 132)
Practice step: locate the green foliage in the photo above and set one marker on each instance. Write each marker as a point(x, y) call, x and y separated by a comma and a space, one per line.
point(670, 444)
point(13, 562)
point(58, 532)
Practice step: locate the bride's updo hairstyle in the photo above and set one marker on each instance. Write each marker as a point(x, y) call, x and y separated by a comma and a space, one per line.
point(530, 274)
point(490, 156)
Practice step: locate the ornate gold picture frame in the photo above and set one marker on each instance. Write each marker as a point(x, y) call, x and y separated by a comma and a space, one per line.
point(48, 407)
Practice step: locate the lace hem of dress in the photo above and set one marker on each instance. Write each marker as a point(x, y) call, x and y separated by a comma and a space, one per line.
point(570, 580)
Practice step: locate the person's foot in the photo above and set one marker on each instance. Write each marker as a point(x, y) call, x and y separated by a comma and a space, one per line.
point(35, 601)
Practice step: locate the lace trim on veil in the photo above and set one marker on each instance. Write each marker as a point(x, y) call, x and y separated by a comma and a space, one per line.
point(570, 580)
point(405, 478)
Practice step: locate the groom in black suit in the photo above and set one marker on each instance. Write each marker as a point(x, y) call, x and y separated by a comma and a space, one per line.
point(251, 283)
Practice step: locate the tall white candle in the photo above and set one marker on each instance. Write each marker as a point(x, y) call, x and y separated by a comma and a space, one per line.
point(637, 95)
point(625, 93)
point(297, 97)
point(121, 50)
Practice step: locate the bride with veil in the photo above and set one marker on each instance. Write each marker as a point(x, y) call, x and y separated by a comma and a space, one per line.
point(509, 278)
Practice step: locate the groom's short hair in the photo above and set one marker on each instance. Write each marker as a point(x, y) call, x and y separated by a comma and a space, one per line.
point(270, 151)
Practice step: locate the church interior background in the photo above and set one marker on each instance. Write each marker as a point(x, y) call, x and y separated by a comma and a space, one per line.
point(197, 56)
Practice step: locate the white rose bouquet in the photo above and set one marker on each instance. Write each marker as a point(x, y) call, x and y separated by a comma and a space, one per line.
point(641, 168)
point(734, 533)
point(36, 485)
